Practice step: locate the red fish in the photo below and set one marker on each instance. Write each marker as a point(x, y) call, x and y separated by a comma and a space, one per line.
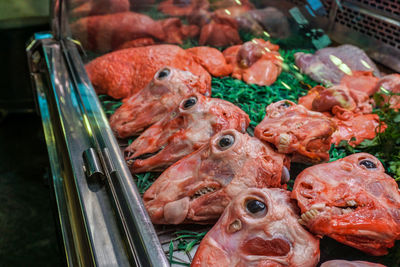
point(163, 94)
point(183, 131)
point(351, 200)
point(258, 228)
point(198, 187)
point(305, 135)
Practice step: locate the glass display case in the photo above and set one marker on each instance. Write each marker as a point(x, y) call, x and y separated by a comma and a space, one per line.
point(93, 73)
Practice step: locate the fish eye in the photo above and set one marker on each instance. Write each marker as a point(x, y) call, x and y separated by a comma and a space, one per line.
point(226, 141)
point(368, 164)
point(285, 104)
point(163, 73)
point(190, 102)
point(256, 207)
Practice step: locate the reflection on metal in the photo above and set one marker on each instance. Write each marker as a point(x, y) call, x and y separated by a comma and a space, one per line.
point(108, 161)
point(138, 231)
point(89, 227)
point(92, 165)
point(87, 125)
point(55, 17)
point(227, 12)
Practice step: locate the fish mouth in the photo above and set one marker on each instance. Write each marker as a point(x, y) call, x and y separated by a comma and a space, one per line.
point(308, 217)
point(130, 159)
point(285, 175)
point(202, 192)
point(273, 247)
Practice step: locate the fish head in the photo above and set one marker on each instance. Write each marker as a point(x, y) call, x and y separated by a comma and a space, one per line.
point(259, 228)
point(183, 131)
point(166, 90)
point(351, 200)
point(295, 130)
point(199, 187)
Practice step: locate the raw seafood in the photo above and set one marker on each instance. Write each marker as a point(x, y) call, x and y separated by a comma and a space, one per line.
point(183, 131)
point(256, 61)
point(329, 65)
point(198, 187)
point(163, 94)
point(351, 200)
point(390, 83)
point(295, 130)
point(182, 7)
point(258, 228)
point(125, 72)
point(343, 263)
point(104, 33)
point(98, 7)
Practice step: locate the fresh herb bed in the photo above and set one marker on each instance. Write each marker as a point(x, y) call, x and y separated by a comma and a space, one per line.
point(253, 99)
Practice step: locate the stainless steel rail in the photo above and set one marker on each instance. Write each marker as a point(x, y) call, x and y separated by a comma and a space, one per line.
point(102, 219)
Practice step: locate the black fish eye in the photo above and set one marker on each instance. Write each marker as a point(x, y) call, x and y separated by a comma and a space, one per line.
point(226, 141)
point(163, 73)
point(190, 102)
point(285, 104)
point(368, 164)
point(255, 206)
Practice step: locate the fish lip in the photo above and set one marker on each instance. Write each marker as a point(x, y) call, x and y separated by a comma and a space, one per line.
point(144, 156)
point(285, 177)
point(278, 258)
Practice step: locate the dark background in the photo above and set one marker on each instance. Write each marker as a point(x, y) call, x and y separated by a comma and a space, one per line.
point(28, 234)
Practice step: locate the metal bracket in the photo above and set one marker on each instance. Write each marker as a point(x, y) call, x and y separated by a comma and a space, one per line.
point(92, 167)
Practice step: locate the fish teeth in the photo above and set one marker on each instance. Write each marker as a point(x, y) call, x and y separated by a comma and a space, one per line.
point(284, 141)
point(302, 222)
point(318, 206)
point(308, 215)
point(235, 226)
point(203, 191)
point(348, 210)
point(351, 203)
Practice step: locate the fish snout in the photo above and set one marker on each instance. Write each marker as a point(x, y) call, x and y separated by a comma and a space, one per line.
point(176, 212)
